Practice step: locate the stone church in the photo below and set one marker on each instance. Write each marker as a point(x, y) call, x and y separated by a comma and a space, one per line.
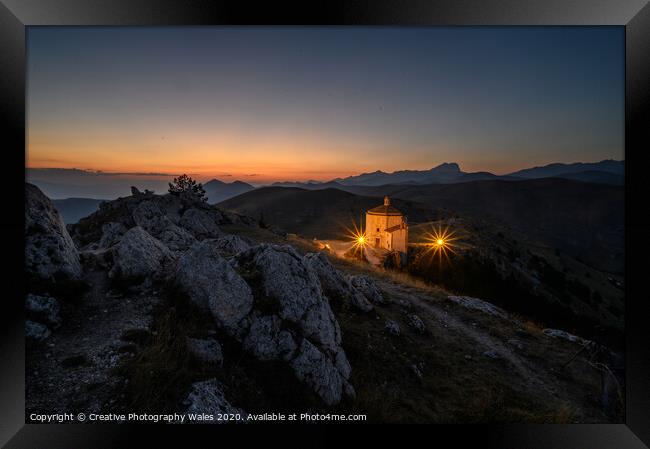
point(386, 228)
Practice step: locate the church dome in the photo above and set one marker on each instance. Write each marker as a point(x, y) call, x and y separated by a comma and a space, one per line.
point(385, 209)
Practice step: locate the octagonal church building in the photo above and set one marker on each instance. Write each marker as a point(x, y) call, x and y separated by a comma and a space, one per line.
point(386, 227)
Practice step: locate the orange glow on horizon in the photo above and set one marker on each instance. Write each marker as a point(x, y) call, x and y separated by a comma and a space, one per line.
point(216, 158)
point(229, 156)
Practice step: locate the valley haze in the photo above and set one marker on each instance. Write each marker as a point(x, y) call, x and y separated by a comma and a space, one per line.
point(62, 183)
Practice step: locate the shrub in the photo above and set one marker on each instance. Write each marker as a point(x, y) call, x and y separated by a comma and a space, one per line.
point(186, 186)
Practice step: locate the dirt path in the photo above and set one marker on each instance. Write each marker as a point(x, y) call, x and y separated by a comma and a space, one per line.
point(74, 370)
point(528, 371)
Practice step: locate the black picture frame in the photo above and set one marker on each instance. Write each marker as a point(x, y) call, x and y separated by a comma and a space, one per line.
point(634, 15)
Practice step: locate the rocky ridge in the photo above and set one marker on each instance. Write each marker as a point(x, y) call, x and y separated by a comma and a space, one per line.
point(327, 328)
point(270, 299)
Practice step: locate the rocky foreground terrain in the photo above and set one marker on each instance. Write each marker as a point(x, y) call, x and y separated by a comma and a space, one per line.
point(167, 304)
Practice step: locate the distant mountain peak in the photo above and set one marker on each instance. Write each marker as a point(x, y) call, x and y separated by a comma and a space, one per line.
point(217, 182)
point(452, 166)
point(445, 172)
point(217, 190)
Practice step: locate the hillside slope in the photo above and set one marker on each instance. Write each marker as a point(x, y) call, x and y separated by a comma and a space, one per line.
point(326, 213)
point(583, 219)
point(177, 306)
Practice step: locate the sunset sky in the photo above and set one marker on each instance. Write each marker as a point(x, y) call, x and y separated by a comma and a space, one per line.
point(275, 104)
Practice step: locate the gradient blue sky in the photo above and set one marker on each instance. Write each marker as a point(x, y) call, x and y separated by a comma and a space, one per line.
point(264, 104)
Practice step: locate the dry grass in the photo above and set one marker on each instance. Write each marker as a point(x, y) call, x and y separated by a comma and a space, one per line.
point(405, 279)
point(161, 372)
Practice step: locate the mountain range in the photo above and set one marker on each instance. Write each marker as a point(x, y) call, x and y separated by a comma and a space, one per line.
point(608, 166)
point(582, 219)
point(606, 172)
point(218, 191)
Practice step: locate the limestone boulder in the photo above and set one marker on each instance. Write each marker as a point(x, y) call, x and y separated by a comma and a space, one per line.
point(150, 217)
point(212, 284)
point(208, 397)
point(368, 287)
point(230, 245)
point(201, 223)
point(416, 323)
point(50, 253)
point(302, 329)
point(288, 282)
point(112, 232)
point(564, 335)
point(334, 284)
point(266, 339)
point(317, 370)
point(153, 217)
point(138, 255)
point(285, 279)
point(176, 238)
point(480, 305)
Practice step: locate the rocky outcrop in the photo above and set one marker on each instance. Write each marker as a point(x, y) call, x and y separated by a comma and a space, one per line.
point(335, 285)
point(478, 304)
point(290, 319)
point(50, 253)
point(138, 255)
point(295, 290)
point(44, 309)
point(267, 298)
point(207, 397)
point(284, 279)
point(368, 287)
point(230, 245)
point(416, 323)
point(359, 301)
point(176, 220)
point(150, 216)
point(212, 284)
point(316, 369)
point(111, 234)
point(268, 341)
point(564, 335)
point(392, 327)
point(201, 223)
point(176, 238)
point(293, 320)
